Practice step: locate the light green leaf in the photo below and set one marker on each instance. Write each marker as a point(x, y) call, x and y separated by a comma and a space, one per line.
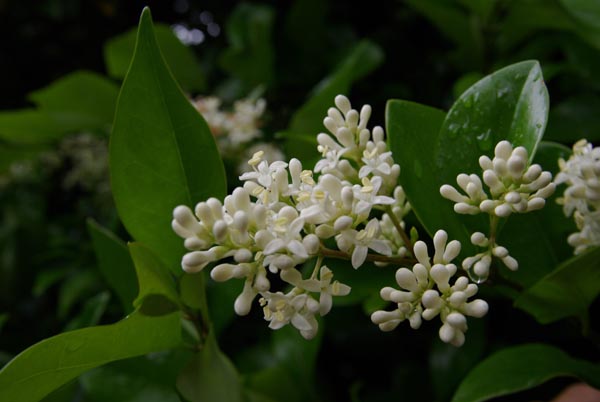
point(181, 59)
point(520, 368)
point(114, 263)
point(52, 362)
point(210, 376)
point(157, 294)
point(250, 56)
point(79, 101)
point(567, 291)
point(162, 153)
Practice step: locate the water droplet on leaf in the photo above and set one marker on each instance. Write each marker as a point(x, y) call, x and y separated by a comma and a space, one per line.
point(484, 140)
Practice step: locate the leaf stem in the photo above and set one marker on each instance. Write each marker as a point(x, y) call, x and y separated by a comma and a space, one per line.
point(398, 226)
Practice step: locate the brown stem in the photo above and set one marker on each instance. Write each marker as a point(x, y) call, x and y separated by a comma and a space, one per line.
point(400, 230)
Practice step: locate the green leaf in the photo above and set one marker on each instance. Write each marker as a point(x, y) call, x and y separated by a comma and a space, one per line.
point(52, 362)
point(250, 56)
point(162, 153)
point(210, 376)
point(567, 291)
point(181, 60)
point(90, 314)
point(29, 126)
point(573, 119)
point(413, 134)
point(79, 101)
point(364, 57)
point(148, 378)
point(114, 263)
point(505, 372)
point(290, 375)
point(157, 294)
point(586, 12)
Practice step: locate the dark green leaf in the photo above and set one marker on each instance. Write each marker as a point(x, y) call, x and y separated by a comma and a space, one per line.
point(157, 294)
point(573, 119)
point(250, 56)
point(115, 263)
point(210, 376)
point(79, 101)
point(162, 153)
point(586, 12)
point(90, 314)
point(413, 134)
point(567, 291)
point(362, 59)
point(76, 287)
point(522, 367)
point(181, 60)
point(148, 378)
point(52, 362)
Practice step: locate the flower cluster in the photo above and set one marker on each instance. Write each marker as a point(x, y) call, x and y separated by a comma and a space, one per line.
point(282, 217)
point(514, 185)
point(581, 198)
point(426, 292)
point(232, 128)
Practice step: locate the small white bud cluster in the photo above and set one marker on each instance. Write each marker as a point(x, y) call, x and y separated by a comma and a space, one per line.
point(232, 129)
point(292, 213)
point(581, 198)
point(514, 185)
point(425, 292)
point(479, 264)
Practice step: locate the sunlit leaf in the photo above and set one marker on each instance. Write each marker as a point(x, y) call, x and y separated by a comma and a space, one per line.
point(162, 153)
point(522, 367)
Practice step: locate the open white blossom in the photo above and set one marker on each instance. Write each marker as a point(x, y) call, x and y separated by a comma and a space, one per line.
point(581, 198)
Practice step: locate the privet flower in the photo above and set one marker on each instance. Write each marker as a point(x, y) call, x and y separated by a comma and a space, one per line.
point(514, 186)
point(426, 292)
point(281, 215)
point(581, 198)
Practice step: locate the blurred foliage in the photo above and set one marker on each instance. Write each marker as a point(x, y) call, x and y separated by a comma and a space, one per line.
point(54, 276)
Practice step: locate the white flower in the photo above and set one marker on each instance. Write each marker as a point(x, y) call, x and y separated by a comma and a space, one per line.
point(359, 242)
point(298, 309)
point(425, 292)
point(514, 185)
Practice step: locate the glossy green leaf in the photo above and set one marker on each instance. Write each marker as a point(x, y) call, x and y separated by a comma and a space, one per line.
point(52, 362)
point(210, 376)
point(567, 291)
point(114, 263)
point(158, 294)
point(250, 56)
point(412, 131)
point(522, 367)
point(162, 153)
point(79, 101)
point(149, 378)
point(538, 240)
point(29, 126)
point(181, 59)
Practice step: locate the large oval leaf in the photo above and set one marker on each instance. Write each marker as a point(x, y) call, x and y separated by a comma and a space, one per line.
point(52, 362)
point(161, 151)
point(522, 367)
